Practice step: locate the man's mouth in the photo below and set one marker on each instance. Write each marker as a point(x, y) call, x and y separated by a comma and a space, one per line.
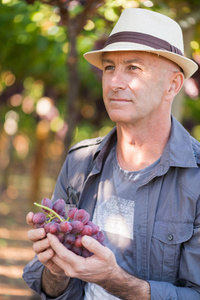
point(119, 100)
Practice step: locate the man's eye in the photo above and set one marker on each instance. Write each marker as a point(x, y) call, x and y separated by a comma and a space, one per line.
point(109, 68)
point(133, 67)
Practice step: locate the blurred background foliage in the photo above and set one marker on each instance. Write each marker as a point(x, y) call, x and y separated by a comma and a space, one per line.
point(50, 97)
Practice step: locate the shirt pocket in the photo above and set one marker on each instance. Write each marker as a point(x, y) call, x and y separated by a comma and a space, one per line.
point(167, 241)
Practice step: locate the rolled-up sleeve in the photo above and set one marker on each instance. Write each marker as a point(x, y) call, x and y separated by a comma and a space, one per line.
point(168, 291)
point(33, 273)
point(33, 276)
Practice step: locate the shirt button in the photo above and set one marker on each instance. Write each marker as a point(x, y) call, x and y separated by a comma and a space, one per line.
point(170, 237)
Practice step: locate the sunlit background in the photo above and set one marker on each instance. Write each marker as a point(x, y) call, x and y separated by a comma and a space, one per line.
point(50, 98)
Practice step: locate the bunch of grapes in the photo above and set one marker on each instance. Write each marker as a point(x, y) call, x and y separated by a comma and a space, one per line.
point(69, 228)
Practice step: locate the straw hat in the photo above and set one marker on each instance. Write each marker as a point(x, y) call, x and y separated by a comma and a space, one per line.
point(143, 30)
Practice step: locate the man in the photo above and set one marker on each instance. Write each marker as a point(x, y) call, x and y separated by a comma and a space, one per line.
point(140, 183)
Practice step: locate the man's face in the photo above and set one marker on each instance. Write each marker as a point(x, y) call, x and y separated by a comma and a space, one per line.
point(134, 85)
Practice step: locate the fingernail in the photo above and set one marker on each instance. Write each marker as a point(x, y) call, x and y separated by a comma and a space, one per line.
point(49, 235)
point(86, 239)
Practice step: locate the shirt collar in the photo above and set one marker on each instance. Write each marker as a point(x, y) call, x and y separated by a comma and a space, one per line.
point(178, 152)
point(104, 148)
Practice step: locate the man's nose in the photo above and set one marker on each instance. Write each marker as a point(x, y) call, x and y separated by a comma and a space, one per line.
point(118, 81)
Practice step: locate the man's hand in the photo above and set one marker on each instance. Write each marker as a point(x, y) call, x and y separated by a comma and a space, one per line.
point(41, 246)
point(101, 268)
point(96, 268)
point(54, 280)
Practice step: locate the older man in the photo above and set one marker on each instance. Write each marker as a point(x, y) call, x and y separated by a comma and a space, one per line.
point(140, 183)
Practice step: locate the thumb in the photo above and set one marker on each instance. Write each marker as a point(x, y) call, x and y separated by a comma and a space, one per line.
point(93, 246)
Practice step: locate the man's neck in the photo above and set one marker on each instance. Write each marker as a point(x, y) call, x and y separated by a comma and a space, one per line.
point(137, 148)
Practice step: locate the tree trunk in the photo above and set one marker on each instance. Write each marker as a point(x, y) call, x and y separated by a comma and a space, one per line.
point(73, 85)
point(39, 161)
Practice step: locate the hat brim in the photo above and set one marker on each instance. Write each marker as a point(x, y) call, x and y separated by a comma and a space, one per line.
point(188, 66)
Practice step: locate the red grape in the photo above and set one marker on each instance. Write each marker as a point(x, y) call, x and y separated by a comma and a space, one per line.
point(87, 230)
point(54, 228)
point(40, 225)
point(99, 237)
point(72, 212)
point(68, 246)
point(86, 253)
point(82, 216)
point(77, 227)
point(46, 202)
point(76, 250)
point(60, 236)
point(78, 242)
point(70, 238)
point(65, 227)
point(95, 228)
point(47, 227)
point(39, 218)
point(59, 207)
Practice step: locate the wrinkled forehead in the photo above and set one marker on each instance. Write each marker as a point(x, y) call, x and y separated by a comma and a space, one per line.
point(134, 54)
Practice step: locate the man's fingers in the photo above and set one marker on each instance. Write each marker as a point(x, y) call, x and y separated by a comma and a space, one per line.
point(46, 256)
point(41, 245)
point(61, 251)
point(64, 258)
point(36, 234)
point(95, 247)
point(29, 219)
point(56, 245)
point(88, 242)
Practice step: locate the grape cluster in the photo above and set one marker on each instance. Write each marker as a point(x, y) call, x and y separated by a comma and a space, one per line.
point(69, 228)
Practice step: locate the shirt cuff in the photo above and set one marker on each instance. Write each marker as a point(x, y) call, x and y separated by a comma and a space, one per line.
point(162, 290)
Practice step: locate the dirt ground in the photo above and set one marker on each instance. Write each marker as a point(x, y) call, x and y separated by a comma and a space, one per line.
point(15, 249)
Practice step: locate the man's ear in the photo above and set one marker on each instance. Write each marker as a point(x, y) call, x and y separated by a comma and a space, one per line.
point(176, 83)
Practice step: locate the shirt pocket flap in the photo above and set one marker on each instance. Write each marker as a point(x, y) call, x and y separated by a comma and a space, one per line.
point(170, 232)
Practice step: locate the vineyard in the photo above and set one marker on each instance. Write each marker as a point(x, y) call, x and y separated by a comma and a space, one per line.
point(51, 98)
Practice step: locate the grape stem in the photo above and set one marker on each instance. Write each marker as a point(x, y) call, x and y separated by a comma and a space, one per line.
point(51, 210)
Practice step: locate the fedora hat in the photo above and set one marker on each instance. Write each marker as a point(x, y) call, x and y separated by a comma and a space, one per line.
point(143, 30)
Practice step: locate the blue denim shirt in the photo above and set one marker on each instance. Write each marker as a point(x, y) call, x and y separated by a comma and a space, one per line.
point(167, 236)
